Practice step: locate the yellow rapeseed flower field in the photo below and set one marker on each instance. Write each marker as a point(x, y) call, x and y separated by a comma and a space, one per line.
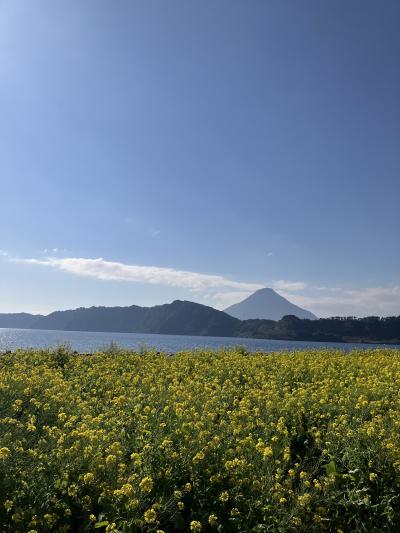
point(202, 441)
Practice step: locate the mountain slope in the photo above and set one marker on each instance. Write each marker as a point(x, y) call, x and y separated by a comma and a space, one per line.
point(178, 318)
point(18, 320)
point(266, 304)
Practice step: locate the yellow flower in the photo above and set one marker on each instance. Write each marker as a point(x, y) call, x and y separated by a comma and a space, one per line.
point(304, 499)
point(213, 520)
point(198, 457)
point(150, 516)
point(224, 496)
point(260, 446)
point(133, 504)
point(195, 526)
point(72, 490)
point(88, 478)
point(136, 459)
point(146, 484)
point(4, 453)
point(8, 505)
point(268, 452)
point(103, 423)
point(127, 489)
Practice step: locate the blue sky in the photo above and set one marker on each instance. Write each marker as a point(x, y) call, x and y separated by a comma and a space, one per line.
point(198, 150)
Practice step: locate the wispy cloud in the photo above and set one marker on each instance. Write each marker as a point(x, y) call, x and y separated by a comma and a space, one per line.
point(222, 292)
point(283, 285)
point(327, 301)
point(336, 301)
point(115, 271)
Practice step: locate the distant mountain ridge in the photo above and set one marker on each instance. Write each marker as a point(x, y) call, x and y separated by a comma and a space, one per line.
point(189, 318)
point(176, 318)
point(268, 305)
point(18, 320)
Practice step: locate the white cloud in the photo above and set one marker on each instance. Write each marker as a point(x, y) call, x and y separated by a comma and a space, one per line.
point(114, 271)
point(222, 292)
point(283, 285)
point(270, 254)
point(334, 301)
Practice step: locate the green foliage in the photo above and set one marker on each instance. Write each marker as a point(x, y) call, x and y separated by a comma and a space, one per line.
point(336, 329)
point(61, 355)
point(112, 348)
point(204, 441)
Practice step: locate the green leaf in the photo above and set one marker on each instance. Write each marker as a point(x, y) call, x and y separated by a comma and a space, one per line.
point(101, 524)
point(331, 469)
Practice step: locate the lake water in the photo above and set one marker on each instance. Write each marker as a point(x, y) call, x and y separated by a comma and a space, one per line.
point(85, 341)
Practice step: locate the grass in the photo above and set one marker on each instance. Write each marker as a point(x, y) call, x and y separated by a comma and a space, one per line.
point(204, 441)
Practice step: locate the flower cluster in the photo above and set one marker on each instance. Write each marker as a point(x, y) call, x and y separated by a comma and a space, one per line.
point(204, 441)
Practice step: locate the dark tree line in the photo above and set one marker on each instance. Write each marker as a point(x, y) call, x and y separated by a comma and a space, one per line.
point(345, 329)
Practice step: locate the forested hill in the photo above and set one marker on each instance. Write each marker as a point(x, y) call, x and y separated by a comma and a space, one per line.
point(336, 329)
point(18, 320)
point(176, 318)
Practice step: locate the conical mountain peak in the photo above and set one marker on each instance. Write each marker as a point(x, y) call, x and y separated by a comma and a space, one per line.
point(266, 303)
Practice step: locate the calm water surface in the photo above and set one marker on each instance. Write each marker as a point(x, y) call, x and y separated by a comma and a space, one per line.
point(85, 341)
